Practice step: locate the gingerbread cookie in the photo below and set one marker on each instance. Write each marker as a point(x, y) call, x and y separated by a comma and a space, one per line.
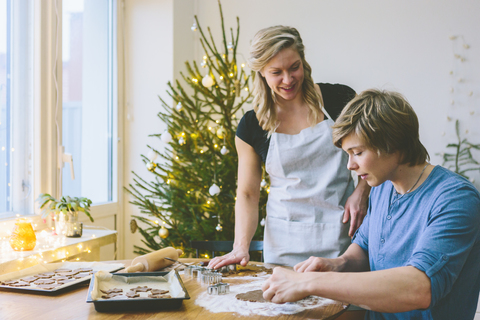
point(29, 279)
point(112, 295)
point(65, 281)
point(9, 282)
point(43, 281)
point(62, 270)
point(158, 291)
point(83, 270)
point(252, 296)
point(47, 286)
point(113, 290)
point(81, 275)
point(141, 289)
point(132, 294)
point(19, 284)
point(45, 275)
point(159, 296)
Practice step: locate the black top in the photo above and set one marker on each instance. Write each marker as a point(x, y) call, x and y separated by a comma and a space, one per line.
point(335, 97)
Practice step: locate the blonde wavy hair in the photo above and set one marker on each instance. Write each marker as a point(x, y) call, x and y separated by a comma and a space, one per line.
point(265, 45)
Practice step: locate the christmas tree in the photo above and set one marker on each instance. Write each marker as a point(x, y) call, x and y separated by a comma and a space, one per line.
point(192, 195)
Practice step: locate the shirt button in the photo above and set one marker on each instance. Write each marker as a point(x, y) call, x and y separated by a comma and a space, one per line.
point(389, 217)
point(382, 240)
point(445, 258)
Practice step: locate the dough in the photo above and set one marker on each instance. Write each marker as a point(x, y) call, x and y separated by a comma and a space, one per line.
point(252, 296)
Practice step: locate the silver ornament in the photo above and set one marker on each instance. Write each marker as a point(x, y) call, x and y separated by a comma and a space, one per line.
point(230, 46)
point(179, 106)
point(214, 190)
point(263, 183)
point(151, 166)
point(262, 223)
point(194, 26)
point(224, 150)
point(203, 64)
point(181, 141)
point(219, 228)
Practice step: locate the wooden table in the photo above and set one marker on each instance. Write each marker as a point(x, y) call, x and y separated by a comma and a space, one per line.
point(71, 305)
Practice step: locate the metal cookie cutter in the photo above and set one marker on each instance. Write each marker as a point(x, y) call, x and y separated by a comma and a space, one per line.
point(228, 268)
point(193, 271)
point(219, 288)
point(211, 277)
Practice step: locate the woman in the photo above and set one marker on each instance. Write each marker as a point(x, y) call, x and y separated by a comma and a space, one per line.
point(311, 189)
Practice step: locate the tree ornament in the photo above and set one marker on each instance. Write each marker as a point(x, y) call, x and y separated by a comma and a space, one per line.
point(219, 228)
point(133, 226)
point(151, 166)
point(221, 132)
point(214, 190)
point(181, 141)
point(207, 81)
point(262, 223)
point(166, 137)
point(230, 46)
point(224, 150)
point(179, 106)
point(152, 155)
point(203, 64)
point(163, 232)
point(263, 184)
point(194, 26)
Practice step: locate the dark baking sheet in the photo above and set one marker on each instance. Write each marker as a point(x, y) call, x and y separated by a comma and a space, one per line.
point(55, 291)
point(138, 303)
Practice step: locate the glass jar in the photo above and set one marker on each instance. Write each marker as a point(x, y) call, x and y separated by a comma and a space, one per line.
point(23, 237)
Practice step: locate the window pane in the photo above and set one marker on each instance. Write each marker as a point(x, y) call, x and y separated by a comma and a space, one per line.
point(16, 61)
point(87, 98)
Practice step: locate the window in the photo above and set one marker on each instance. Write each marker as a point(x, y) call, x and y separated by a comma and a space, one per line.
point(16, 107)
point(88, 98)
point(58, 74)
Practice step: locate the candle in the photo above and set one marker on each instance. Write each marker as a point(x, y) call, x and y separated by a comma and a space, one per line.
point(23, 237)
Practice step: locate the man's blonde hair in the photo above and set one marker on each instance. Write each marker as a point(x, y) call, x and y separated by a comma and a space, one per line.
point(385, 122)
point(265, 45)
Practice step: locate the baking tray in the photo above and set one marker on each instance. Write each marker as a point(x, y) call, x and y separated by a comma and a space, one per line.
point(135, 304)
point(50, 267)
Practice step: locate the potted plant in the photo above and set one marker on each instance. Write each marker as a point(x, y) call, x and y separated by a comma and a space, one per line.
point(65, 212)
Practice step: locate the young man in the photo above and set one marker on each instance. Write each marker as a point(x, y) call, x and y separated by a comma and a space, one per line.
point(417, 253)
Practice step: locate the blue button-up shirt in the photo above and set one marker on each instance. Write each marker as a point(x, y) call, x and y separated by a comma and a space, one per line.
point(435, 228)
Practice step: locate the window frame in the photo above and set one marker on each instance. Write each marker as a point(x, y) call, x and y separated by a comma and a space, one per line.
point(47, 90)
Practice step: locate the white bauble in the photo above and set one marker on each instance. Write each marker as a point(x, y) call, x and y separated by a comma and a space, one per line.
point(179, 106)
point(166, 137)
point(207, 81)
point(224, 150)
point(262, 223)
point(152, 155)
point(219, 228)
point(214, 190)
point(181, 141)
point(151, 166)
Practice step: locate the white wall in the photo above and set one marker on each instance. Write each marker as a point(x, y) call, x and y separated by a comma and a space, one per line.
point(400, 45)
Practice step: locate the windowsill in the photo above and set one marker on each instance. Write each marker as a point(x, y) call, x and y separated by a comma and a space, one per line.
point(55, 249)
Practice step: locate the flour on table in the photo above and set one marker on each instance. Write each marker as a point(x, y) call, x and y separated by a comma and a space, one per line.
point(228, 302)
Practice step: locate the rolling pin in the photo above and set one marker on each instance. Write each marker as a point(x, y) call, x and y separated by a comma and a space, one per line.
point(154, 261)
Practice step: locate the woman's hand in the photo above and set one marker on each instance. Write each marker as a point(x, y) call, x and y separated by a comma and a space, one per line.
point(284, 286)
point(236, 256)
point(318, 264)
point(356, 206)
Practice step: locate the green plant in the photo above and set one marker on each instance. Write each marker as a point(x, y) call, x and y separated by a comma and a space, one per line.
point(66, 204)
point(462, 160)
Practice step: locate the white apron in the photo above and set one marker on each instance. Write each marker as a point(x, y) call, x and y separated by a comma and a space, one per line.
point(309, 185)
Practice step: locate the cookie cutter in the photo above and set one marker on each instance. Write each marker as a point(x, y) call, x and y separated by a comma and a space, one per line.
point(211, 277)
point(219, 288)
point(227, 268)
point(193, 271)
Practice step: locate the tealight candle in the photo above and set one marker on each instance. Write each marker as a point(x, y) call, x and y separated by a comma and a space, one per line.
point(23, 237)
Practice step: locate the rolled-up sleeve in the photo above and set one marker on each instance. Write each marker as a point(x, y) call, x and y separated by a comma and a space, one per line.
point(445, 245)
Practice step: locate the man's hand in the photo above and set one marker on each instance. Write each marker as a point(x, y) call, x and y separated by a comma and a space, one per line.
point(284, 286)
